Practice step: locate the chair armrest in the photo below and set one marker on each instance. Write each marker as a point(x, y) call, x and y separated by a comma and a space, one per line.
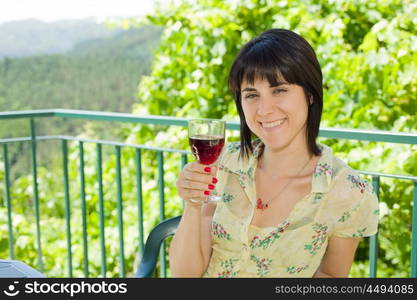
point(153, 244)
point(17, 269)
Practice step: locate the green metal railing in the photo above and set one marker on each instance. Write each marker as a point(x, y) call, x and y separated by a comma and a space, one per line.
point(362, 135)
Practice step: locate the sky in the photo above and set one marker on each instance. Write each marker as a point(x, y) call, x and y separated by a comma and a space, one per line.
point(52, 10)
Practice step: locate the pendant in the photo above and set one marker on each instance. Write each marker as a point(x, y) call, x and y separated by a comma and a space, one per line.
point(260, 205)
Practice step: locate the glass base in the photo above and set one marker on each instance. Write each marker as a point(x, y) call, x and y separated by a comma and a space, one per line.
point(213, 198)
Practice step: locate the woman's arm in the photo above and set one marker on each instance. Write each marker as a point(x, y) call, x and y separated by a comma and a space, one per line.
point(338, 258)
point(190, 248)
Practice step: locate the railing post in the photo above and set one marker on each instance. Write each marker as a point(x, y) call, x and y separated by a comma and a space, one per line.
point(83, 207)
point(184, 161)
point(138, 162)
point(8, 201)
point(67, 205)
point(101, 211)
point(161, 187)
point(373, 240)
point(120, 211)
point(414, 235)
point(35, 193)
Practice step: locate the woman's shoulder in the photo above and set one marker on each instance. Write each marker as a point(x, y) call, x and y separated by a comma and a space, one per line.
point(351, 180)
point(343, 181)
point(352, 196)
point(351, 191)
point(354, 205)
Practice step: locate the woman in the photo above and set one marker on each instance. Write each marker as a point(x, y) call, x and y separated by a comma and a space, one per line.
point(289, 207)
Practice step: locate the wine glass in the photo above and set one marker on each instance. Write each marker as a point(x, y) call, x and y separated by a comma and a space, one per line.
point(206, 138)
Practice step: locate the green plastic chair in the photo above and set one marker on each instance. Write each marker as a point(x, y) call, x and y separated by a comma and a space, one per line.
point(153, 244)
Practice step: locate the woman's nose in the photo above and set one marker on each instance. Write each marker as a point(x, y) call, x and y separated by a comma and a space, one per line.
point(265, 106)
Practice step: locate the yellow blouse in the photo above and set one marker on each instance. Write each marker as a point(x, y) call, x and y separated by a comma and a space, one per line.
point(341, 203)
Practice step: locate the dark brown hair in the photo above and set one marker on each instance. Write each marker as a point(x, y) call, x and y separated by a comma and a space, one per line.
point(279, 53)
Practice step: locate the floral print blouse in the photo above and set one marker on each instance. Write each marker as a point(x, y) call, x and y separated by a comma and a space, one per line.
point(341, 203)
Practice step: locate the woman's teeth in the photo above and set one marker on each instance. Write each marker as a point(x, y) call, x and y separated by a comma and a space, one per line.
point(273, 124)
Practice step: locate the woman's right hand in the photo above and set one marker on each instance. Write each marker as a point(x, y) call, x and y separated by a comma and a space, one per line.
point(196, 182)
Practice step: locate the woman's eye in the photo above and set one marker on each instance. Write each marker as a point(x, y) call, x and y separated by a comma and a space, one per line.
point(250, 96)
point(279, 91)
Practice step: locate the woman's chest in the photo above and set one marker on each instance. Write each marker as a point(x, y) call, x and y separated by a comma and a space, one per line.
point(237, 211)
point(277, 199)
point(233, 223)
point(299, 240)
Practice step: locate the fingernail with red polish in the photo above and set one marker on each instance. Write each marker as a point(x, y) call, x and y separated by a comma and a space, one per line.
point(207, 169)
point(206, 193)
point(211, 187)
point(214, 180)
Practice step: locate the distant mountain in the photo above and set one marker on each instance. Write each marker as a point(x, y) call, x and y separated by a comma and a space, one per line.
point(134, 43)
point(33, 37)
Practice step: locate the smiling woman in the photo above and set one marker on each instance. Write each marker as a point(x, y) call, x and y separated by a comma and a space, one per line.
point(290, 208)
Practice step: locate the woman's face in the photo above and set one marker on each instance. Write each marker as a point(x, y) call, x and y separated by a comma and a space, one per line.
point(276, 114)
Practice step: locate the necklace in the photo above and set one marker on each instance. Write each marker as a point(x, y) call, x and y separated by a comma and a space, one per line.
point(260, 203)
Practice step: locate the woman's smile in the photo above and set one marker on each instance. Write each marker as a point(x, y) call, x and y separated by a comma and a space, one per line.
point(271, 126)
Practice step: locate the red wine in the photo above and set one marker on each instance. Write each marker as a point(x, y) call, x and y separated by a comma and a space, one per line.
point(206, 148)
